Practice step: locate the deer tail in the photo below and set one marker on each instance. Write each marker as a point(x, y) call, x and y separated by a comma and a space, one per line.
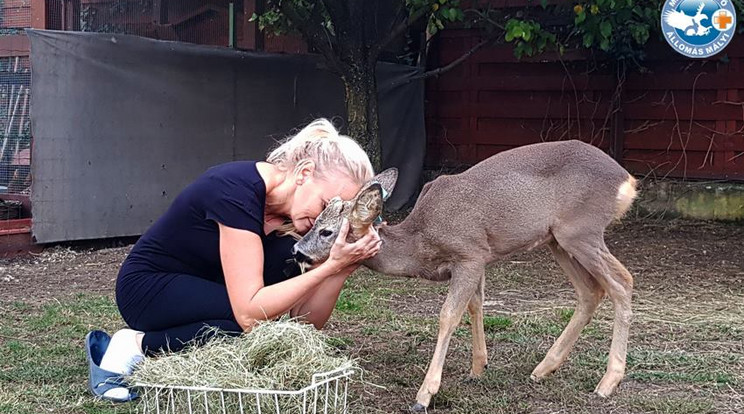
point(626, 193)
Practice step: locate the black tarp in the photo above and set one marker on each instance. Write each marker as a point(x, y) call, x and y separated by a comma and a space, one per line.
point(121, 123)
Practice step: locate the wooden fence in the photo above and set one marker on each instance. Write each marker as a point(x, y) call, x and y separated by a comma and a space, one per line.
point(683, 118)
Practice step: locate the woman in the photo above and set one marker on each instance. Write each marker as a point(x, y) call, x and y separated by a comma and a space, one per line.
point(215, 257)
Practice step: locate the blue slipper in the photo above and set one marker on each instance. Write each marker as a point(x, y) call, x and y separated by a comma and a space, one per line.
point(100, 380)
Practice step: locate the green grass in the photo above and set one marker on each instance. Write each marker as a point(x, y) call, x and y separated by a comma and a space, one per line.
point(351, 302)
point(340, 342)
point(496, 323)
point(673, 405)
point(43, 368)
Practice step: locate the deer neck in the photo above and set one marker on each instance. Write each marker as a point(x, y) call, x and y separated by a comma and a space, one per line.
point(397, 256)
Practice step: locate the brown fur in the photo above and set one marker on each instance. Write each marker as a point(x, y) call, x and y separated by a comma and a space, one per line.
point(561, 194)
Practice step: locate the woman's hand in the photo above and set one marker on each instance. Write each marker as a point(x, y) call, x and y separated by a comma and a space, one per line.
point(344, 254)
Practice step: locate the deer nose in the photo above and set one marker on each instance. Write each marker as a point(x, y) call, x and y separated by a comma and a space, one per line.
point(299, 256)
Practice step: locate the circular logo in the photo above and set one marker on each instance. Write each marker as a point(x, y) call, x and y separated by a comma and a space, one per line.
point(698, 28)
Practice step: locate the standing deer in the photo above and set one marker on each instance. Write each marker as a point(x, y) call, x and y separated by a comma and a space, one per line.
point(563, 194)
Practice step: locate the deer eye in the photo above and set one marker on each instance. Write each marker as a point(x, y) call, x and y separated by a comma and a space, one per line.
point(326, 233)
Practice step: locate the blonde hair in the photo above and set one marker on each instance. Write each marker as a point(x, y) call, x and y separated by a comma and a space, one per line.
point(321, 143)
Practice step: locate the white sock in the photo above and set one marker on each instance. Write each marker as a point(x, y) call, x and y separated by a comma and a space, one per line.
point(122, 354)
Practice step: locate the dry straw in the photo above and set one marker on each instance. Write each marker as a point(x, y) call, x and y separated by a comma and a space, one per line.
point(279, 355)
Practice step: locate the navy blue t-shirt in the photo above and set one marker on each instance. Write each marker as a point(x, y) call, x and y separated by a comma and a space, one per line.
point(185, 240)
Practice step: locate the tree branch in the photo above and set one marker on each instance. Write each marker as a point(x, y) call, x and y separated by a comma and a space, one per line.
point(337, 11)
point(312, 29)
point(398, 30)
point(454, 63)
point(397, 16)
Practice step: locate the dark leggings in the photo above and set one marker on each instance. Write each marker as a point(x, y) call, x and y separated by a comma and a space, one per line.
point(183, 307)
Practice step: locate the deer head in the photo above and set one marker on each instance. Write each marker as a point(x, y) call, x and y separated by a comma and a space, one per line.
point(361, 212)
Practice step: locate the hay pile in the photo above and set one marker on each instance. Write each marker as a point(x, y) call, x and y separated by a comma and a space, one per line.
point(280, 355)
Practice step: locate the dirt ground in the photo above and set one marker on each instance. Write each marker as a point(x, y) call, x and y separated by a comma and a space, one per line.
point(689, 298)
point(663, 256)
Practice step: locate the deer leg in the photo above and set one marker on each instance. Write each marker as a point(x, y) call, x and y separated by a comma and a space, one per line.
point(619, 285)
point(593, 255)
point(463, 285)
point(589, 294)
point(480, 353)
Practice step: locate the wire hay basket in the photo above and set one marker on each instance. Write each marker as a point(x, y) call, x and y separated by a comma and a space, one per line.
point(327, 393)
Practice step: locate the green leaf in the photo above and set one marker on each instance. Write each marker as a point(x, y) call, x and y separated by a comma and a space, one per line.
point(541, 41)
point(605, 28)
point(639, 33)
point(580, 17)
point(509, 36)
point(604, 44)
point(527, 35)
point(454, 14)
point(544, 4)
point(588, 39)
point(253, 18)
point(519, 50)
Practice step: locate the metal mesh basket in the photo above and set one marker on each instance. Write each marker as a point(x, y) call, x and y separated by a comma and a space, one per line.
point(327, 394)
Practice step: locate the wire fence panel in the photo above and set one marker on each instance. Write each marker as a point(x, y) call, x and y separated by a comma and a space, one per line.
point(327, 394)
point(15, 15)
point(15, 125)
point(192, 21)
point(204, 22)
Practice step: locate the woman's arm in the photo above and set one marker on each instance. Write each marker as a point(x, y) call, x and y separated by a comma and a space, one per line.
point(317, 306)
point(241, 253)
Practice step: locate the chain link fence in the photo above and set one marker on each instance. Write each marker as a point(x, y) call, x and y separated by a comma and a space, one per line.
point(207, 22)
point(193, 21)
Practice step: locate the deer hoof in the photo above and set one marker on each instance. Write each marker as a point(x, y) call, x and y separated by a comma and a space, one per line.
point(480, 371)
point(471, 379)
point(535, 378)
point(609, 383)
point(418, 408)
point(604, 392)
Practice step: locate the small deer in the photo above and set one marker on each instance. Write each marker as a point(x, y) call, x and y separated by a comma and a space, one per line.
point(560, 194)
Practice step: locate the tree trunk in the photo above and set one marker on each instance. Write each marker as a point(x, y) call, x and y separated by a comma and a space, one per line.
point(361, 108)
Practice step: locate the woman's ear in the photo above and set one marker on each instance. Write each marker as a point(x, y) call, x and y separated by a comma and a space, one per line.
point(304, 171)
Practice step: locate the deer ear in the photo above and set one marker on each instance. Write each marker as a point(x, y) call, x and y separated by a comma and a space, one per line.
point(365, 208)
point(387, 180)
